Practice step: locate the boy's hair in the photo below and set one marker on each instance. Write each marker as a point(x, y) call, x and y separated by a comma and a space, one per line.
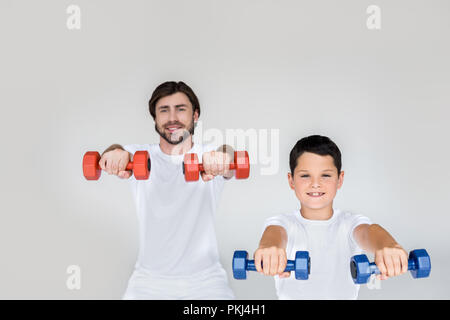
point(317, 144)
point(167, 89)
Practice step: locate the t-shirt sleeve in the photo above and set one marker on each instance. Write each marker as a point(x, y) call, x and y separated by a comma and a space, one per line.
point(354, 221)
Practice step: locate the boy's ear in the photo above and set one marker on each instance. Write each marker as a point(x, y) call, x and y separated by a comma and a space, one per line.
point(291, 181)
point(341, 179)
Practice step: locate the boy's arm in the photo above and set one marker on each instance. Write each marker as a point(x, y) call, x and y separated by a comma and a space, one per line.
point(274, 236)
point(390, 258)
point(272, 252)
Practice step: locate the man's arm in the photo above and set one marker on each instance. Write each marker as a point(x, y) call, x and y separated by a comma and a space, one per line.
point(114, 160)
point(214, 163)
point(230, 151)
point(116, 146)
point(112, 147)
point(390, 257)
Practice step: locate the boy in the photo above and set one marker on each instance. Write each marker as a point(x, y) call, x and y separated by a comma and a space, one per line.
point(331, 236)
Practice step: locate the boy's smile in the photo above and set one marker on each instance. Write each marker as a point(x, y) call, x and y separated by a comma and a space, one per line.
point(315, 194)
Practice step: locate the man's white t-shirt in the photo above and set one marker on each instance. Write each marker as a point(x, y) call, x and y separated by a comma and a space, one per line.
point(177, 239)
point(330, 244)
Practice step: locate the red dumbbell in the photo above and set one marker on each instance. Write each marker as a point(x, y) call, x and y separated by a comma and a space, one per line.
point(140, 165)
point(192, 169)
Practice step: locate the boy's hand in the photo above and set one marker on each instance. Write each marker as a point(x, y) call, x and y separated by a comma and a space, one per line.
point(273, 261)
point(391, 261)
point(215, 163)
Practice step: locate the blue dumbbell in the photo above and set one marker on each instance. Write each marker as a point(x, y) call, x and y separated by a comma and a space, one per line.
point(301, 265)
point(418, 263)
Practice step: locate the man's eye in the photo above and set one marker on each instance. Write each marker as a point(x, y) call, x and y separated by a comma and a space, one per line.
point(326, 175)
point(163, 110)
point(304, 176)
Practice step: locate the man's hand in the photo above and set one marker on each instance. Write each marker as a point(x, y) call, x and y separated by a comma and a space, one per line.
point(216, 163)
point(273, 260)
point(115, 162)
point(392, 261)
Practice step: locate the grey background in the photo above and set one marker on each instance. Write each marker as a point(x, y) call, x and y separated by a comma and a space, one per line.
point(302, 67)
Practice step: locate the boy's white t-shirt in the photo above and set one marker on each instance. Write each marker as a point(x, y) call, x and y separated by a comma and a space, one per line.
point(330, 244)
point(177, 236)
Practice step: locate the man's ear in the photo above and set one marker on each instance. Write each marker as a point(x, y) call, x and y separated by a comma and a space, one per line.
point(291, 181)
point(341, 179)
point(195, 115)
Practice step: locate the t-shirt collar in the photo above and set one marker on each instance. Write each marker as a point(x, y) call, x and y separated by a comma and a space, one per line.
point(317, 222)
point(179, 157)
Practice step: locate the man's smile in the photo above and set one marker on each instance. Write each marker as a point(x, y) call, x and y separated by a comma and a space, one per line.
point(173, 128)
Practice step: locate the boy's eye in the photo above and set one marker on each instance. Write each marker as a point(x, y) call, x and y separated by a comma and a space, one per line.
point(307, 175)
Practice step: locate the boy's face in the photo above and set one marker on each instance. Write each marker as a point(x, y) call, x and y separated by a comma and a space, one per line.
point(315, 180)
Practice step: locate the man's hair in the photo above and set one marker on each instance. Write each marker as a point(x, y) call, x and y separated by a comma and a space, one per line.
point(316, 144)
point(168, 88)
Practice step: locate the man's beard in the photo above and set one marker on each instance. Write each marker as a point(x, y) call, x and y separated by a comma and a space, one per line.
point(185, 134)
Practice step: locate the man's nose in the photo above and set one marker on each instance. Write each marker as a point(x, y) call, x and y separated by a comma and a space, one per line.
point(172, 115)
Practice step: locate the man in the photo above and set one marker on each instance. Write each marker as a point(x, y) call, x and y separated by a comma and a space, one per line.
point(178, 256)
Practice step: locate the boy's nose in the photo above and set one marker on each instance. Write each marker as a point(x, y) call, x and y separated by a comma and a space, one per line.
point(315, 184)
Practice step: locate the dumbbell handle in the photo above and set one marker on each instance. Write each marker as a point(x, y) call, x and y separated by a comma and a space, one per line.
point(374, 269)
point(250, 266)
point(130, 165)
point(231, 166)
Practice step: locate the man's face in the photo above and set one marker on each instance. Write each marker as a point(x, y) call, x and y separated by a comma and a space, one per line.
point(315, 180)
point(175, 119)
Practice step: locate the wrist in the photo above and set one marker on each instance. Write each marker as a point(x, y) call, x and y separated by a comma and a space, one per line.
point(228, 150)
point(386, 244)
